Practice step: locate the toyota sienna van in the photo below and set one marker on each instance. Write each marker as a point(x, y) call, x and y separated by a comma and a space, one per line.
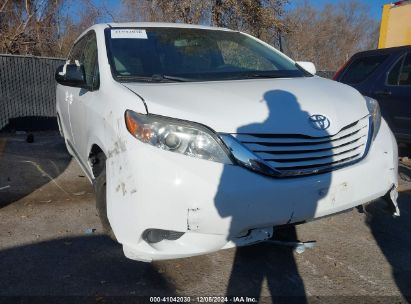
point(198, 138)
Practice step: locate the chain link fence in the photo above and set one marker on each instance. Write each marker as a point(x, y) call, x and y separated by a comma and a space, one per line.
point(27, 87)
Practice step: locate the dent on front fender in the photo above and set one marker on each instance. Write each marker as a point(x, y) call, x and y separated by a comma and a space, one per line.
point(121, 186)
point(121, 193)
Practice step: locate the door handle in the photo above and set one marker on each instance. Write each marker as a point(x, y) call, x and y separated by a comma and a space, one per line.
point(384, 92)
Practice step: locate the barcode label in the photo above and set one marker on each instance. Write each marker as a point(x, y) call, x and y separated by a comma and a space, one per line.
point(128, 34)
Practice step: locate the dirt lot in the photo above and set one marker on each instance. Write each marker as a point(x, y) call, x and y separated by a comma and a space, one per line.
point(48, 245)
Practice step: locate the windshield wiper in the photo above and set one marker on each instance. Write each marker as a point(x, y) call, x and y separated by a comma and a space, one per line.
point(256, 75)
point(162, 77)
point(132, 78)
point(153, 78)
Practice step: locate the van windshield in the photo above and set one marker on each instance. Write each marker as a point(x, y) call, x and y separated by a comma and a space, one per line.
point(185, 54)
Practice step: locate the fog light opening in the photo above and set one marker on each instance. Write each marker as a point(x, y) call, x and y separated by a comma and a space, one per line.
point(157, 235)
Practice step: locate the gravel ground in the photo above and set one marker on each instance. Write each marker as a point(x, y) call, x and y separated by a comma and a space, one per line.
point(51, 244)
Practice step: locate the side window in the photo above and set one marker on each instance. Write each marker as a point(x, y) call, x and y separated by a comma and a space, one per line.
point(405, 75)
point(85, 51)
point(400, 74)
point(361, 68)
point(76, 51)
point(394, 74)
point(89, 60)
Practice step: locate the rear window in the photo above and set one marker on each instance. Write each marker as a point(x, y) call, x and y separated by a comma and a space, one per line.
point(361, 68)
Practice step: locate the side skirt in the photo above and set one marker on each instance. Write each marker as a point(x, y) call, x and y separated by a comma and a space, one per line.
point(82, 165)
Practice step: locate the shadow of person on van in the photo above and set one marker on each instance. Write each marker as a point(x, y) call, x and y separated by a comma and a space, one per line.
point(278, 208)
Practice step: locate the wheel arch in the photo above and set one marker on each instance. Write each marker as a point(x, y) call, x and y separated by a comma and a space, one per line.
point(96, 158)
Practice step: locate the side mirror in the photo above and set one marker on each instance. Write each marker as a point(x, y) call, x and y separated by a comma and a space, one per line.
point(308, 66)
point(71, 75)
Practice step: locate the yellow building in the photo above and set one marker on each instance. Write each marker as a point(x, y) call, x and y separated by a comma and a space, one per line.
point(395, 25)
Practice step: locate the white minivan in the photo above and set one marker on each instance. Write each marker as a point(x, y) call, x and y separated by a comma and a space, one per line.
point(198, 138)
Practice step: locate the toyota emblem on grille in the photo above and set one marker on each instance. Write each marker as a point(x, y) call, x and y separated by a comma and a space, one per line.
point(319, 122)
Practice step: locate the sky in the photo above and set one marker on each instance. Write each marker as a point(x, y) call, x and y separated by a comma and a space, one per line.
point(374, 5)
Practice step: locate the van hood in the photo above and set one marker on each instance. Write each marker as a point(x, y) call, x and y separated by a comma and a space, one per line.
point(270, 106)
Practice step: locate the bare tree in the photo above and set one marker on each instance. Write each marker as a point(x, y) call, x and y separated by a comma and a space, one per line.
point(329, 36)
point(49, 27)
point(27, 26)
point(185, 11)
point(87, 12)
point(46, 27)
point(261, 18)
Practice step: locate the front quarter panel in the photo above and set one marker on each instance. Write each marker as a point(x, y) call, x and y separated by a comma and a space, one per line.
point(106, 116)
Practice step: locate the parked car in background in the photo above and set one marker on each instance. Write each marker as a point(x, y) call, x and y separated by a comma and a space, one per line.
point(385, 75)
point(198, 138)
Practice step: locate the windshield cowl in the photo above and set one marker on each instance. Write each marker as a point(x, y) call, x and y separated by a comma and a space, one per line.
point(156, 78)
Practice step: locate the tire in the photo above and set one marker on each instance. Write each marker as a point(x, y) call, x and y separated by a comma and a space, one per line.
point(100, 188)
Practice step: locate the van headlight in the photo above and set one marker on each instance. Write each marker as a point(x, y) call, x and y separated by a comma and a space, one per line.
point(375, 112)
point(177, 136)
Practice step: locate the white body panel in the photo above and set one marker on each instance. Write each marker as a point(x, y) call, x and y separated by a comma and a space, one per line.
point(212, 201)
point(216, 204)
point(226, 106)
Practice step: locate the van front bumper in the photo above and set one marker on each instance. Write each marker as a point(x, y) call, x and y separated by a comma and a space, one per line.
point(219, 206)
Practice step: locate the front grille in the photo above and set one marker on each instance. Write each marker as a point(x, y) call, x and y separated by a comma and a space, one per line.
point(292, 155)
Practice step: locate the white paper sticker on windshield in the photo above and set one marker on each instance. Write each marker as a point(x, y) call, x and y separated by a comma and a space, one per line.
point(128, 34)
